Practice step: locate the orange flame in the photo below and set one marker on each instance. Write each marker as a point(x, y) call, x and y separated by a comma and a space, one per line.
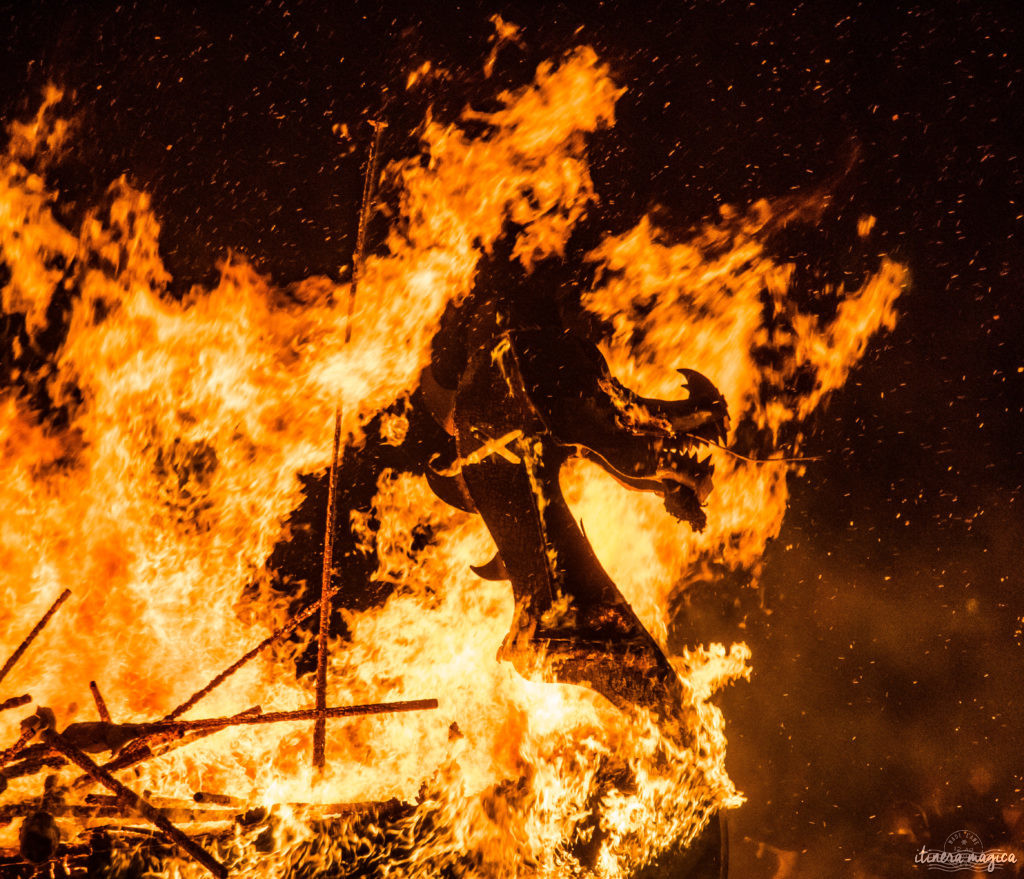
point(163, 492)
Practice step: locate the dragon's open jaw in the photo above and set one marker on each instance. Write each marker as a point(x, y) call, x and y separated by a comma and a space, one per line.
point(661, 441)
point(684, 480)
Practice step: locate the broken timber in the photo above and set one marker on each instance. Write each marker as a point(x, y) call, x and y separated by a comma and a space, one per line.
point(15, 702)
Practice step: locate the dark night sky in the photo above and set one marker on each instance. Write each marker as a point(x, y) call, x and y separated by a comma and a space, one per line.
point(888, 653)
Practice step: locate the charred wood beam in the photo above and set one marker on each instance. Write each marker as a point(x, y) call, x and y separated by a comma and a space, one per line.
point(369, 190)
point(204, 796)
point(308, 810)
point(186, 811)
point(320, 724)
point(170, 730)
point(31, 766)
point(159, 802)
point(239, 808)
point(15, 702)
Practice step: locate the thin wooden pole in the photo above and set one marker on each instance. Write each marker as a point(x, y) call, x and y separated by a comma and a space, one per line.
point(24, 645)
point(181, 727)
point(320, 726)
point(369, 190)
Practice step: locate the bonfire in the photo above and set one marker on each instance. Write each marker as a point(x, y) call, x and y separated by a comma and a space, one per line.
point(267, 598)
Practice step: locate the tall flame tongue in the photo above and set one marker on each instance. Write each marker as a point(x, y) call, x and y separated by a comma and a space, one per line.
point(159, 488)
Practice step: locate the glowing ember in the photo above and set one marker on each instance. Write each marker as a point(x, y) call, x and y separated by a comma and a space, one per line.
point(161, 472)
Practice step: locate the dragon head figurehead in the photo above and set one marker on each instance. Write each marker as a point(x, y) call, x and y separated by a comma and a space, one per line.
point(521, 394)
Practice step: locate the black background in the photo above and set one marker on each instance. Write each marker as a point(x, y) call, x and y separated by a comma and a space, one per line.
point(884, 711)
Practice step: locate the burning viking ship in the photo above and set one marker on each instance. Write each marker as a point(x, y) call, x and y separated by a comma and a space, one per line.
point(495, 554)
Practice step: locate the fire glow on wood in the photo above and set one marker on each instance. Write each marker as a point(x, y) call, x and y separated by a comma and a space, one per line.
point(165, 468)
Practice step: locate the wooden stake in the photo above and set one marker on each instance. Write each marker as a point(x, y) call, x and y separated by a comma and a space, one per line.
point(320, 726)
point(64, 596)
point(101, 706)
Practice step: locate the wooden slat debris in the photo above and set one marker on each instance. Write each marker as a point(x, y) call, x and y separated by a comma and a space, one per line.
point(128, 800)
